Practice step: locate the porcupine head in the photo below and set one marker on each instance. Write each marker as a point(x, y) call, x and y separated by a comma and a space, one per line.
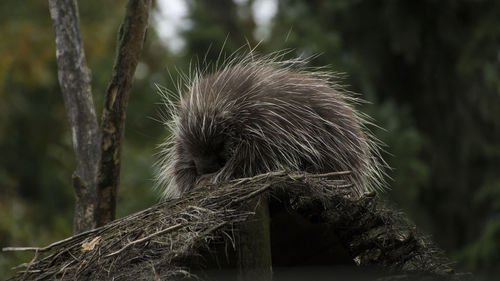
point(256, 115)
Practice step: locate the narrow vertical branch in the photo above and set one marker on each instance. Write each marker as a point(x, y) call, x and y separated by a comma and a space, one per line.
point(74, 80)
point(131, 38)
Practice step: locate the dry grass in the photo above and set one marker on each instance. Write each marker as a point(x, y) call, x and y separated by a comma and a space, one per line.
point(153, 243)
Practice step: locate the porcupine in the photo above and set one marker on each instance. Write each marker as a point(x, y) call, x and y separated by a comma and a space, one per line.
point(257, 115)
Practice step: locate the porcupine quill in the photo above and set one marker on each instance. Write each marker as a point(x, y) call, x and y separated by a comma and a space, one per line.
point(256, 115)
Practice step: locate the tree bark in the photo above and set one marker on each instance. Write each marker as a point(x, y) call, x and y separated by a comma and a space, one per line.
point(131, 39)
point(74, 80)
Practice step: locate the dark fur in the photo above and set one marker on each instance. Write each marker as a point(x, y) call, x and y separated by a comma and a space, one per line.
point(256, 116)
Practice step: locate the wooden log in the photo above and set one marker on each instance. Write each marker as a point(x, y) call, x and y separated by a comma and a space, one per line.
point(254, 244)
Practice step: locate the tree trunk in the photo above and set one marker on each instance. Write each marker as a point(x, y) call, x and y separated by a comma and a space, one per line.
point(74, 80)
point(131, 39)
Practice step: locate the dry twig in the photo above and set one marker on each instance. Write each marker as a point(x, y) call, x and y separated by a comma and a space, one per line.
point(167, 235)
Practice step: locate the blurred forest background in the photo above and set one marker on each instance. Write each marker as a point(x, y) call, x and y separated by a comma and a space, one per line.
point(430, 70)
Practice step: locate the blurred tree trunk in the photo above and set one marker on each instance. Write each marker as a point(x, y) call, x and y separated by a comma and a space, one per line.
point(74, 80)
point(221, 27)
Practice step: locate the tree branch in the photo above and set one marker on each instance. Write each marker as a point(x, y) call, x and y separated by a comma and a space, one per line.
point(181, 235)
point(131, 38)
point(74, 80)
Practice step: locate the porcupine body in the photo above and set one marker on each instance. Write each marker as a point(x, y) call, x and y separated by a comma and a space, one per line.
point(261, 115)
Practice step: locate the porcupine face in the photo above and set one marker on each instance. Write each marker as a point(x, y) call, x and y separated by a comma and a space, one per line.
point(201, 150)
point(256, 117)
point(206, 137)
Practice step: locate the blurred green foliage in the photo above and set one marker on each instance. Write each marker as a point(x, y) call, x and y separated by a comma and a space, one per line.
point(430, 70)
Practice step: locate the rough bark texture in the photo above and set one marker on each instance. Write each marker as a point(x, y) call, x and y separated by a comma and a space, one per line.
point(74, 80)
point(254, 245)
point(167, 241)
point(131, 39)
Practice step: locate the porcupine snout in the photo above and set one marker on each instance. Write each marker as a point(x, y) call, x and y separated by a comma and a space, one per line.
point(205, 148)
